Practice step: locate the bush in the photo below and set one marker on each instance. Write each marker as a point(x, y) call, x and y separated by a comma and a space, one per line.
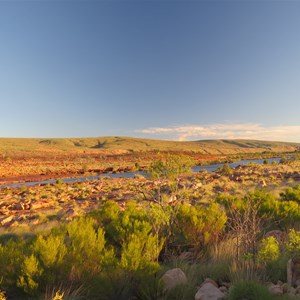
point(276, 270)
point(268, 250)
point(291, 194)
point(293, 243)
point(31, 272)
point(249, 290)
point(200, 225)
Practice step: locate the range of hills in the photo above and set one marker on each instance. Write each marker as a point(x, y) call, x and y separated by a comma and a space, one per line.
point(130, 144)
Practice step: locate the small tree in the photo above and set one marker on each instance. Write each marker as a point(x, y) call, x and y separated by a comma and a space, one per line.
point(225, 169)
point(245, 222)
point(169, 169)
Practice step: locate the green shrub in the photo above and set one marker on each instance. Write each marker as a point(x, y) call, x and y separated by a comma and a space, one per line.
point(139, 252)
point(200, 225)
point(86, 248)
point(292, 194)
point(11, 258)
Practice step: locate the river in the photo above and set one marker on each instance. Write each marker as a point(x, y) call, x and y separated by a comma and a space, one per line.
point(208, 168)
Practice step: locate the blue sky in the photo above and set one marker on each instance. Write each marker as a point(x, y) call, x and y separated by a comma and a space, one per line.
point(182, 70)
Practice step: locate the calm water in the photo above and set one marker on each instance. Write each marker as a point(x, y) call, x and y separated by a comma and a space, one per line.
point(209, 168)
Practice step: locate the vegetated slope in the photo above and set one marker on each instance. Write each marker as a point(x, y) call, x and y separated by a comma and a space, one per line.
point(114, 144)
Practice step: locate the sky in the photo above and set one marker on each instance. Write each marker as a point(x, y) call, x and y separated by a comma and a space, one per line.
point(162, 69)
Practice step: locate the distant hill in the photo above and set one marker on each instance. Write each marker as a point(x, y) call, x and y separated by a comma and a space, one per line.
point(112, 144)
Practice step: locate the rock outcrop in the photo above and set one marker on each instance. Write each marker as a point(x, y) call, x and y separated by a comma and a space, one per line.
point(173, 278)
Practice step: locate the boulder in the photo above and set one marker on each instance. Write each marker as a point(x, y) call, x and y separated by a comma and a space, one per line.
point(298, 290)
point(209, 292)
point(208, 280)
point(173, 278)
point(277, 234)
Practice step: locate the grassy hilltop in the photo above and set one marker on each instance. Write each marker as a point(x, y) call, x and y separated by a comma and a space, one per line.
point(113, 143)
point(64, 157)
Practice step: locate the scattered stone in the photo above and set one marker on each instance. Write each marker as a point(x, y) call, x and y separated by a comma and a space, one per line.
point(209, 292)
point(197, 185)
point(6, 220)
point(19, 206)
point(173, 278)
point(293, 271)
point(297, 282)
point(262, 183)
point(285, 287)
point(292, 291)
point(70, 214)
point(41, 204)
point(275, 289)
point(139, 176)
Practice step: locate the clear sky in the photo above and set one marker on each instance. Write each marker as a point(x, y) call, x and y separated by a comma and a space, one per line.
point(166, 69)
